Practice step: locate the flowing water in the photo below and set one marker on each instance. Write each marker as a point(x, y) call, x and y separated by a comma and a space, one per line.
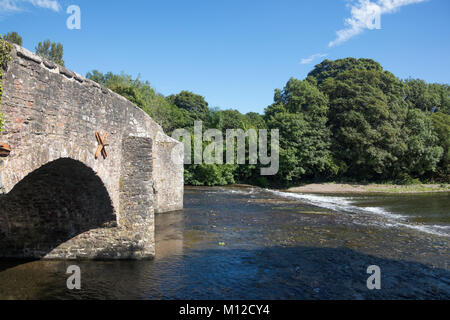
point(249, 243)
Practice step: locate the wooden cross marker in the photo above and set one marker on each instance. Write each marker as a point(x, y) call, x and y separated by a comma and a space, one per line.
point(101, 145)
point(5, 150)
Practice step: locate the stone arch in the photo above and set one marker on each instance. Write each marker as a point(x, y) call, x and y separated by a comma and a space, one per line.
point(53, 204)
point(65, 210)
point(25, 159)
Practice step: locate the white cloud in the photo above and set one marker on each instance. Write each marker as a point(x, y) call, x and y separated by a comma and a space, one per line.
point(8, 6)
point(47, 4)
point(19, 5)
point(313, 57)
point(363, 15)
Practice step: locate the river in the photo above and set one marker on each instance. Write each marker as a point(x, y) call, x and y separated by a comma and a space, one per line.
point(251, 243)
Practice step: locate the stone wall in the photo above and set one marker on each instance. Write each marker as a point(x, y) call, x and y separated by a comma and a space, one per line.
point(53, 114)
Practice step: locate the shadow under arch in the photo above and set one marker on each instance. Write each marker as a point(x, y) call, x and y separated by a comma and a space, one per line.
point(53, 204)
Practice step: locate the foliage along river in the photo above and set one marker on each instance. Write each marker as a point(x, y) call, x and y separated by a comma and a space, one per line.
point(246, 243)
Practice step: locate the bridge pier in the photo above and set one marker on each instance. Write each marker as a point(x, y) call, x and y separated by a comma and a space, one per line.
point(134, 235)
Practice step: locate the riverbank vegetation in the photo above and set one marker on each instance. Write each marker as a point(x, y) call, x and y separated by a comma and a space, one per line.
point(349, 120)
point(370, 188)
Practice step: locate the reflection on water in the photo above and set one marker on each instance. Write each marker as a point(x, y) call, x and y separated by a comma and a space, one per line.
point(169, 236)
point(243, 243)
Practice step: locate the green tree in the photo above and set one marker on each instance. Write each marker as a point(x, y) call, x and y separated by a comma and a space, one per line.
point(367, 112)
point(331, 68)
point(348, 119)
point(440, 95)
point(51, 51)
point(423, 152)
point(441, 124)
point(232, 119)
point(300, 113)
point(97, 76)
point(228, 119)
point(255, 120)
point(144, 96)
point(416, 94)
point(427, 97)
point(193, 103)
point(14, 37)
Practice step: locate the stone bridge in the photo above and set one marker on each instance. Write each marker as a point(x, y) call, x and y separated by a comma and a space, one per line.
point(57, 200)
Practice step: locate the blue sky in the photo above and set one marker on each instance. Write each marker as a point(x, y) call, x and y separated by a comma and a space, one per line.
point(236, 52)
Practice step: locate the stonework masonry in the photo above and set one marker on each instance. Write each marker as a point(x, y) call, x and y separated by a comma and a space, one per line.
point(56, 200)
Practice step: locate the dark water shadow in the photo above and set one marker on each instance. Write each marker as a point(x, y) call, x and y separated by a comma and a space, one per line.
point(305, 273)
point(51, 205)
point(293, 273)
point(9, 263)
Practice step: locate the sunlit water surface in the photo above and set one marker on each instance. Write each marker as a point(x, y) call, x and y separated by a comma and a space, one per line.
point(247, 243)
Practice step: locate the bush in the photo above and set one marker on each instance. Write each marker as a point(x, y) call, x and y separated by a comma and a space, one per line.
point(406, 180)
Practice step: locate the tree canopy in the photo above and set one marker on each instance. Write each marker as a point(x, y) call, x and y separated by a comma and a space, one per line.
point(14, 37)
point(427, 97)
point(441, 125)
point(51, 51)
point(331, 68)
point(143, 95)
point(348, 120)
point(300, 112)
point(193, 103)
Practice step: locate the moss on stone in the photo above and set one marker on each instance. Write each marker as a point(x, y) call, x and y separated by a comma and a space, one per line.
point(5, 49)
point(120, 184)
